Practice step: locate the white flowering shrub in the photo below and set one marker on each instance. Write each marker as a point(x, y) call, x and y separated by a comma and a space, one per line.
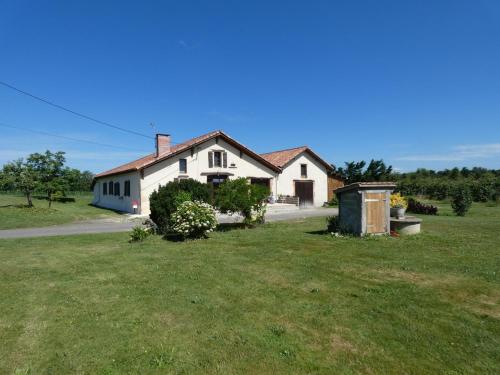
point(194, 219)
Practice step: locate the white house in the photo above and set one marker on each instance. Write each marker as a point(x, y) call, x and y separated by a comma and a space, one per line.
point(212, 158)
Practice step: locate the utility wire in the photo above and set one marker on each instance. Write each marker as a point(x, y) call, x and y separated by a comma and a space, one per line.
point(65, 137)
point(74, 112)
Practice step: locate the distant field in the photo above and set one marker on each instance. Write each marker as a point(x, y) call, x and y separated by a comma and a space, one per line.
point(284, 298)
point(15, 214)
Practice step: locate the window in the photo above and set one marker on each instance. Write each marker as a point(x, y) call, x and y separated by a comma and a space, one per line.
point(105, 188)
point(126, 188)
point(182, 165)
point(110, 188)
point(217, 159)
point(216, 180)
point(117, 188)
point(303, 170)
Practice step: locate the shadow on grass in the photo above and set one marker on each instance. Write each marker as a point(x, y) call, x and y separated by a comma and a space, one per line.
point(108, 209)
point(226, 227)
point(319, 232)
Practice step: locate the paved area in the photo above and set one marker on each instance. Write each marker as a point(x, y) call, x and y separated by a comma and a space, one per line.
point(127, 223)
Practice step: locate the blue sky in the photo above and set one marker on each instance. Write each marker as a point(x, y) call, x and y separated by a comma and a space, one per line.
point(416, 83)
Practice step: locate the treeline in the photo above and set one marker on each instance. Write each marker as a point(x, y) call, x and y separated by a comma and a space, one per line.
point(483, 184)
point(43, 173)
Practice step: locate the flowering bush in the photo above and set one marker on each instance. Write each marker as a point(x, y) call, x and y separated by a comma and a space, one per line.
point(397, 201)
point(193, 219)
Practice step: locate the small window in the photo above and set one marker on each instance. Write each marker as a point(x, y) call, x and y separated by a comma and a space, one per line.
point(303, 170)
point(110, 188)
point(126, 188)
point(117, 188)
point(182, 165)
point(217, 159)
point(105, 188)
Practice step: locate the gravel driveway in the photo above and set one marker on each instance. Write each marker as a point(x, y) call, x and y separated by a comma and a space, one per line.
point(125, 224)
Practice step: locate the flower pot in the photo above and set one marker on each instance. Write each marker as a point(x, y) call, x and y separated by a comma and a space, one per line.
point(398, 212)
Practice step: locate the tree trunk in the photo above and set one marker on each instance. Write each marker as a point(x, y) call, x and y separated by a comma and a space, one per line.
point(50, 199)
point(28, 197)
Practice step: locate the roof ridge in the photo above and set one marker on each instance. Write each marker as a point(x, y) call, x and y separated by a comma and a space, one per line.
point(286, 149)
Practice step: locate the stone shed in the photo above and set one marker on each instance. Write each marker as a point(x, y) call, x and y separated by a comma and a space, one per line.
point(364, 207)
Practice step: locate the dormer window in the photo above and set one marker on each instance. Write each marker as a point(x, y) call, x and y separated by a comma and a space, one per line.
point(217, 159)
point(303, 170)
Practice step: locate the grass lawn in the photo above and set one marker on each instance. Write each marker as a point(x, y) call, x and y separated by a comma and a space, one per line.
point(15, 214)
point(284, 298)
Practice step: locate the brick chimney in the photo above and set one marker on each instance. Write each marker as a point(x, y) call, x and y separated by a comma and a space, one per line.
point(162, 144)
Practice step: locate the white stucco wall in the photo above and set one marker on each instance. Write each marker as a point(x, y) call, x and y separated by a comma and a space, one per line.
point(198, 169)
point(316, 172)
point(121, 202)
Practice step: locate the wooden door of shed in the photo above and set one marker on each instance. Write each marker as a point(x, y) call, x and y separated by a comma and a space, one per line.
point(375, 206)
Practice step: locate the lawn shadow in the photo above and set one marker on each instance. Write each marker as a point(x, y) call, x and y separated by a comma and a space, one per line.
point(173, 237)
point(108, 209)
point(16, 206)
point(226, 227)
point(319, 232)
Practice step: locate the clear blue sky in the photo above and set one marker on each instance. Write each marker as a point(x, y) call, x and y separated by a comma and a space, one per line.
point(416, 83)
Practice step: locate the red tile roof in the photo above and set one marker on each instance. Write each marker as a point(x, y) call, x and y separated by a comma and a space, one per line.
point(151, 159)
point(283, 157)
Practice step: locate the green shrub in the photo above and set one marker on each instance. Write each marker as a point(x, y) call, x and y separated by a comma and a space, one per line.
point(482, 190)
point(461, 199)
point(237, 196)
point(139, 234)
point(334, 201)
point(194, 219)
point(164, 202)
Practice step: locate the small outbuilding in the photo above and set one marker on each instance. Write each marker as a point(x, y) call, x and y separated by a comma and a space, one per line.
point(364, 207)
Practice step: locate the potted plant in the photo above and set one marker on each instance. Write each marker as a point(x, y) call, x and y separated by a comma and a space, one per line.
point(398, 206)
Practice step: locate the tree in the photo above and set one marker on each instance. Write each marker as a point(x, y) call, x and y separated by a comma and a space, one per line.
point(77, 180)
point(377, 171)
point(49, 171)
point(238, 196)
point(353, 171)
point(20, 176)
point(461, 199)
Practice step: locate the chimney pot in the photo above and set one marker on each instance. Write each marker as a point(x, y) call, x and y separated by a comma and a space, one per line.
point(162, 144)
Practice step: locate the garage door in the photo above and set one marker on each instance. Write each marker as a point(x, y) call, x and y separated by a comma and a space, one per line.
point(304, 190)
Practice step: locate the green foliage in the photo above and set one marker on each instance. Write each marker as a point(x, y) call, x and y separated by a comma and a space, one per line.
point(77, 180)
point(334, 201)
point(237, 196)
point(48, 169)
point(355, 172)
point(461, 199)
point(193, 220)
point(21, 176)
point(440, 184)
point(139, 234)
point(165, 201)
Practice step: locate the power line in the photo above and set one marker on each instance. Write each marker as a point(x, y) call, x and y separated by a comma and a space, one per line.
point(65, 137)
point(74, 112)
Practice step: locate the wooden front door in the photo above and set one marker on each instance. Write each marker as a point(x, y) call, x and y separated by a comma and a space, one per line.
point(304, 190)
point(375, 212)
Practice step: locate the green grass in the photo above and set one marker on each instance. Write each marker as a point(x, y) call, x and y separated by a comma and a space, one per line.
point(283, 298)
point(14, 212)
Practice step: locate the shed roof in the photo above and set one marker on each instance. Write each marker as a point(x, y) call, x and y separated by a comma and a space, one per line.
point(376, 185)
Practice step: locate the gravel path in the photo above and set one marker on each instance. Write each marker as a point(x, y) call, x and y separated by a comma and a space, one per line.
point(124, 225)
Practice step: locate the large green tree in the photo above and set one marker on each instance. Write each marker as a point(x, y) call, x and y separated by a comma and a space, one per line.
point(49, 170)
point(20, 175)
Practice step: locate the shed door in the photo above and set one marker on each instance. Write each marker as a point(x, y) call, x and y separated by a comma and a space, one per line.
point(375, 212)
point(304, 190)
